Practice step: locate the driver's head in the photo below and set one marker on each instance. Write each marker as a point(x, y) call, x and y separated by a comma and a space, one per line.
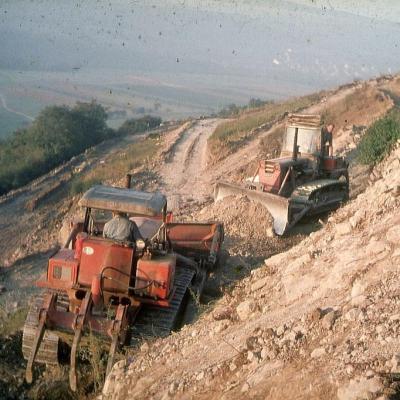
point(330, 127)
point(119, 214)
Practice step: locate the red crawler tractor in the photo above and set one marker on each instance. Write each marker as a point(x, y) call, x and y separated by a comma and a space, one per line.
point(118, 291)
point(305, 180)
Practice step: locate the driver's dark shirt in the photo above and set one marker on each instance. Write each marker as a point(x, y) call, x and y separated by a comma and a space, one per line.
point(327, 137)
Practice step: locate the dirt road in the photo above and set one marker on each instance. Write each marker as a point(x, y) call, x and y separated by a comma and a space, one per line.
point(7, 108)
point(185, 175)
point(318, 321)
point(188, 182)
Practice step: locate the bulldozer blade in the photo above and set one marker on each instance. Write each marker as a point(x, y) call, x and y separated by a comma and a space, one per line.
point(276, 205)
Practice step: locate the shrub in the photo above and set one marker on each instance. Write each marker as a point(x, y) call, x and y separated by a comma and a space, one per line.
point(380, 138)
point(229, 111)
point(118, 164)
point(57, 134)
point(11, 323)
point(132, 126)
point(79, 185)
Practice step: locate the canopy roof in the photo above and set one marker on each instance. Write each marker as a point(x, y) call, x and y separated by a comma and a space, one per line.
point(305, 120)
point(124, 200)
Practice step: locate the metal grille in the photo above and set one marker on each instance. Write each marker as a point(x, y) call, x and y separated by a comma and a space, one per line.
point(63, 273)
point(269, 167)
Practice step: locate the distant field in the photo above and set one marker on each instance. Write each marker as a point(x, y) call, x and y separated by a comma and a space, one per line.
point(166, 96)
point(29, 92)
point(10, 122)
point(24, 102)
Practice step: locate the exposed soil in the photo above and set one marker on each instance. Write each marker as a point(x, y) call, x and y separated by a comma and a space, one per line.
point(222, 353)
point(318, 321)
point(28, 237)
point(270, 335)
point(184, 172)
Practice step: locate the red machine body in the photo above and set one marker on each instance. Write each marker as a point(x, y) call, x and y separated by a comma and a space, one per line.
point(305, 180)
point(106, 283)
point(108, 259)
point(156, 276)
point(62, 270)
point(119, 268)
point(330, 163)
point(269, 173)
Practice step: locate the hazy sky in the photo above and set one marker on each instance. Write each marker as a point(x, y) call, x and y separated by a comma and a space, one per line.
point(303, 43)
point(383, 10)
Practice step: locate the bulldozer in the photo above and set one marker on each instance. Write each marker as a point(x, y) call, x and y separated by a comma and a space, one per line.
point(118, 291)
point(304, 180)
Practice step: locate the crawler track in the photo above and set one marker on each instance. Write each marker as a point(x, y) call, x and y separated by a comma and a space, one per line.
point(152, 321)
point(155, 321)
point(326, 194)
point(48, 350)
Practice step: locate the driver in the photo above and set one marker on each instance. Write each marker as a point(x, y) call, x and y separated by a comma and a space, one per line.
point(120, 227)
point(327, 136)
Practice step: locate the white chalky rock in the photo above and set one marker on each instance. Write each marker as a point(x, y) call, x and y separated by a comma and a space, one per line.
point(343, 228)
point(393, 234)
point(245, 309)
point(361, 388)
point(318, 352)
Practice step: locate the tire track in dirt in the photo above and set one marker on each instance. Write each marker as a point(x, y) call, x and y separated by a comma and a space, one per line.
point(190, 151)
point(185, 174)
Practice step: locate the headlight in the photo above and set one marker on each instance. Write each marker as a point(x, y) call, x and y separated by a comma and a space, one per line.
point(140, 244)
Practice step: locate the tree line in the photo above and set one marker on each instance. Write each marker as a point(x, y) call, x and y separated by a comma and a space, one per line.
point(56, 135)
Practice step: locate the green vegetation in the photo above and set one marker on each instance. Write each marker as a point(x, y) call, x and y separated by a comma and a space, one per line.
point(132, 126)
point(80, 186)
point(232, 110)
point(380, 138)
point(230, 135)
point(117, 165)
point(57, 134)
point(11, 323)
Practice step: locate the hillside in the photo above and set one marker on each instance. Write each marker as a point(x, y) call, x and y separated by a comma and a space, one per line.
point(318, 321)
point(321, 316)
point(293, 318)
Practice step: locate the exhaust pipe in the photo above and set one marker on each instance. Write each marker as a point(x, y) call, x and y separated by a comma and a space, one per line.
point(128, 179)
point(295, 147)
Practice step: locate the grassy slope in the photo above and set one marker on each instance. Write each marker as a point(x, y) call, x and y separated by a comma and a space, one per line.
point(230, 135)
point(115, 167)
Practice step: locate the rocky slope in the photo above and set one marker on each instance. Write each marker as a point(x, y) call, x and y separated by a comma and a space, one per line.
point(262, 332)
point(318, 321)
